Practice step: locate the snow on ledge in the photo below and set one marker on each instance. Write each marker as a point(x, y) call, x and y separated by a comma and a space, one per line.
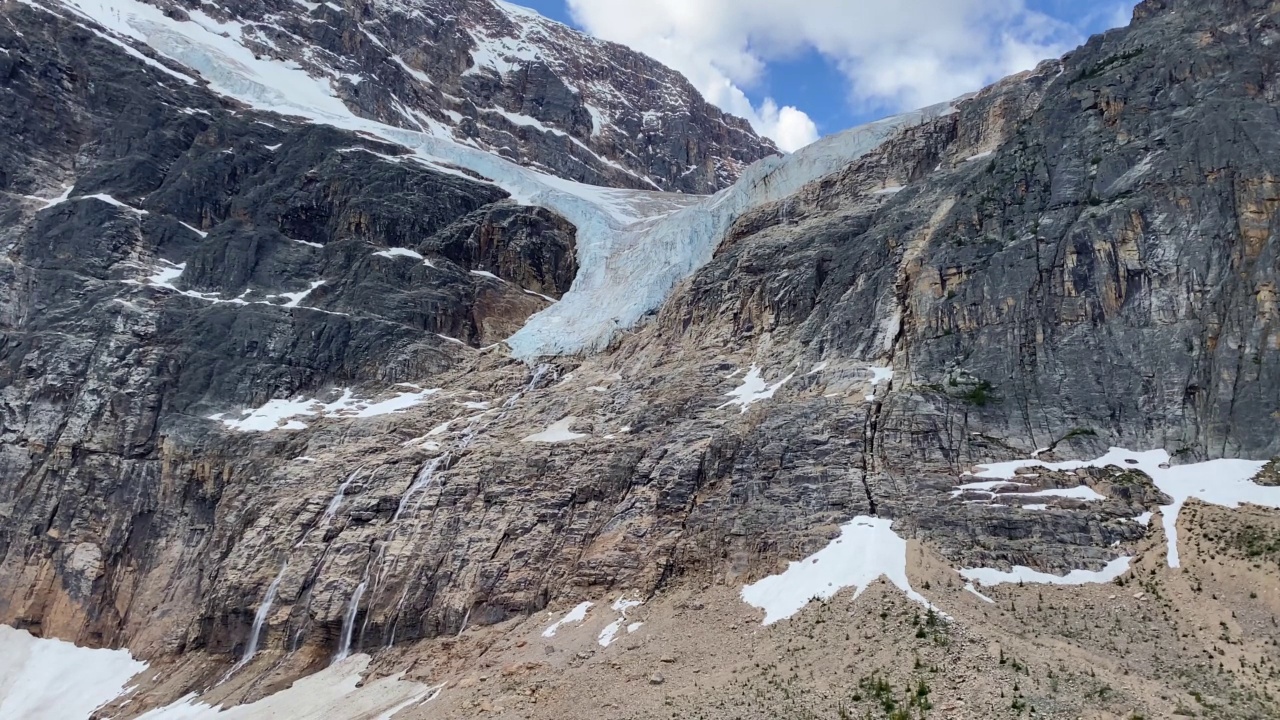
point(753, 389)
point(866, 549)
point(557, 433)
point(1225, 482)
point(393, 253)
point(284, 414)
point(1080, 492)
point(46, 679)
point(1023, 574)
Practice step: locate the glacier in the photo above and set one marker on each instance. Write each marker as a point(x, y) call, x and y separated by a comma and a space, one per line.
point(633, 246)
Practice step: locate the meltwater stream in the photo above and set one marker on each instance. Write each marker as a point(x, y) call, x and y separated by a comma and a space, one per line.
point(421, 482)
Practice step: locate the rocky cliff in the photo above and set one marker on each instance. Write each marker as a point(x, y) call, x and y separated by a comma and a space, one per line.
point(256, 408)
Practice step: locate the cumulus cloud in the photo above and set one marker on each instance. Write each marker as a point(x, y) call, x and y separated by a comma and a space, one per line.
point(895, 55)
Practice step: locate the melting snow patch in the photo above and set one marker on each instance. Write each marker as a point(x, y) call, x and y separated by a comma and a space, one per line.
point(1080, 492)
point(573, 617)
point(296, 297)
point(866, 549)
point(556, 433)
point(399, 252)
point(336, 693)
point(753, 389)
point(969, 587)
point(1022, 574)
point(621, 606)
point(283, 414)
point(880, 375)
point(45, 679)
point(1226, 482)
point(1144, 519)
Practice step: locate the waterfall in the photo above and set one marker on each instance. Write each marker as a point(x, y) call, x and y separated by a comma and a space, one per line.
point(336, 502)
point(349, 622)
point(260, 617)
point(421, 482)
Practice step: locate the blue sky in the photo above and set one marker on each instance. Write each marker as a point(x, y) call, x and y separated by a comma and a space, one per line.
point(801, 68)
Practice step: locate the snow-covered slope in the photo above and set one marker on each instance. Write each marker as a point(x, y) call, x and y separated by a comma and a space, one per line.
point(633, 245)
point(45, 679)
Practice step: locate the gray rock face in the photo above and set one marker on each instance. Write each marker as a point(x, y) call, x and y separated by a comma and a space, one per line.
point(1079, 256)
point(1076, 249)
point(168, 257)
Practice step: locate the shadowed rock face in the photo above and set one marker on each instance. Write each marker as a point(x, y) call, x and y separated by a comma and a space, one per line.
point(168, 256)
point(1080, 256)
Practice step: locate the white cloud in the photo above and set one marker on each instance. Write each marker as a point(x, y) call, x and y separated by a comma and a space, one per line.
point(790, 127)
point(896, 55)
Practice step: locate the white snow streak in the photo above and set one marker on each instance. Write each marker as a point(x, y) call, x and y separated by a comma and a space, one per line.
point(573, 617)
point(1023, 574)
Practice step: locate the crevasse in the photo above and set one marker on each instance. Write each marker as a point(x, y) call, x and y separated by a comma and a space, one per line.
point(633, 246)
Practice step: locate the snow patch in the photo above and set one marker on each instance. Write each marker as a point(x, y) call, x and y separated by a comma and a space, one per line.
point(557, 433)
point(573, 617)
point(753, 389)
point(284, 414)
point(970, 588)
point(399, 252)
point(338, 692)
point(621, 606)
point(1023, 574)
point(866, 550)
point(46, 679)
point(1080, 492)
point(1225, 482)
